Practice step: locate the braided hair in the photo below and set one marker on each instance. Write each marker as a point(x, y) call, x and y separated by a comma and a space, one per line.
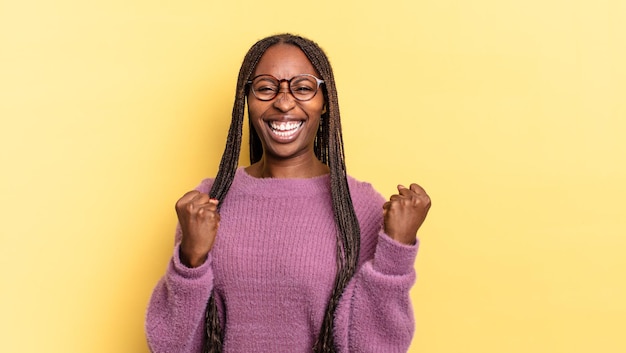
point(328, 148)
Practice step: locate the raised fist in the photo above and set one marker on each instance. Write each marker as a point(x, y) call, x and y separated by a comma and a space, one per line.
point(405, 212)
point(199, 221)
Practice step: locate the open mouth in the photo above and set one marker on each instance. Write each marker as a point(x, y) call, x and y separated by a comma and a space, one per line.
point(285, 128)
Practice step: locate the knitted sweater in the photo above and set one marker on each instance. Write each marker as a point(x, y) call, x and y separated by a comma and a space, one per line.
point(272, 268)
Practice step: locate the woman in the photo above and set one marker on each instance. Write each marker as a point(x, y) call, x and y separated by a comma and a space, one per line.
point(291, 254)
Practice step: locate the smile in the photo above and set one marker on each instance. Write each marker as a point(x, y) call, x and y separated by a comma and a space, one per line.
point(285, 128)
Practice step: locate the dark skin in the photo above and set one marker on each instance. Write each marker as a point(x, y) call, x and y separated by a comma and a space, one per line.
point(293, 156)
point(199, 221)
point(405, 212)
point(288, 156)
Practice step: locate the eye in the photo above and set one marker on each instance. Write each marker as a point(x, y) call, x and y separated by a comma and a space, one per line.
point(265, 85)
point(302, 89)
point(266, 88)
point(303, 86)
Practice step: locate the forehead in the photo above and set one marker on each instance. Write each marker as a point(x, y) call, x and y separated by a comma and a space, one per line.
point(284, 61)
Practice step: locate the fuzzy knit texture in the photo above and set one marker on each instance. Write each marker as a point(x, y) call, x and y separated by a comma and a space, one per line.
point(272, 269)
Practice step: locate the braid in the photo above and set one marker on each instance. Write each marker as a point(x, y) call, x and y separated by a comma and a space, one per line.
point(328, 148)
point(225, 176)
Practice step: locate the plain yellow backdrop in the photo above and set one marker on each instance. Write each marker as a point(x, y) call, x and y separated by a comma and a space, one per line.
point(511, 114)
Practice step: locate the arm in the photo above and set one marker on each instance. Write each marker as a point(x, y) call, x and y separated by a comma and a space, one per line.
point(375, 312)
point(176, 312)
point(175, 317)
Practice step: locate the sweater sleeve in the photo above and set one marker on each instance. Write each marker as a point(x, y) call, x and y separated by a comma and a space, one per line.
point(175, 316)
point(176, 311)
point(375, 312)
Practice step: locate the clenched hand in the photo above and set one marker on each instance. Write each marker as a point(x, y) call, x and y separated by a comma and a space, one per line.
point(405, 212)
point(199, 220)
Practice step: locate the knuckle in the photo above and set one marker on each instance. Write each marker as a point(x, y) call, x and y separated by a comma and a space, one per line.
point(181, 207)
point(202, 197)
point(190, 194)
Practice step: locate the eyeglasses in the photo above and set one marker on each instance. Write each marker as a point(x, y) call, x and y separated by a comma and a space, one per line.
point(302, 87)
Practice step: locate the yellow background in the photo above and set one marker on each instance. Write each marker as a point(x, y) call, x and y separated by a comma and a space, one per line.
point(511, 114)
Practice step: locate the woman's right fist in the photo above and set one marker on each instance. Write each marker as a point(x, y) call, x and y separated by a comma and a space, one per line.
point(199, 220)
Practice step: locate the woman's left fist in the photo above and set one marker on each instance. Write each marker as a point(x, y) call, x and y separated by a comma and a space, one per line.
point(405, 212)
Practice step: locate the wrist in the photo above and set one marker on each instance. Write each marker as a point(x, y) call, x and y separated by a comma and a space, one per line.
point(407, 239)
point(191, 259)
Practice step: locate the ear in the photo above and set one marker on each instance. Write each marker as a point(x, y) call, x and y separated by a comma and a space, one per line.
point(324, 109)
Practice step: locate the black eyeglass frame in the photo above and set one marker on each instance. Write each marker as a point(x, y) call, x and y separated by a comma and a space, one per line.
point(317, 88)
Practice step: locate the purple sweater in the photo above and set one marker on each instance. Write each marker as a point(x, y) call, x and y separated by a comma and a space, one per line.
point(272, 268)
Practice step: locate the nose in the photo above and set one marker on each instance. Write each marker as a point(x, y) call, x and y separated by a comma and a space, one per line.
point(284, 101)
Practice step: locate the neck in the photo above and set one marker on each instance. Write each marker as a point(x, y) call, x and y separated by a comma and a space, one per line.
point(293, 168)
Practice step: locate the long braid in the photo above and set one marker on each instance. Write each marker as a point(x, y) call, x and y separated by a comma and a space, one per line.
point(328, 148)
point(331, 152)
point(224, 179)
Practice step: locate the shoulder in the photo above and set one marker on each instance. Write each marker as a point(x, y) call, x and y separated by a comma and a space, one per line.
point(205, 185)
point(363, 192)
point(368, 207)
point(366, 200)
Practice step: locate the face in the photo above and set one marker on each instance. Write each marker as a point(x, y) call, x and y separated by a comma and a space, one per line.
point(287, 127)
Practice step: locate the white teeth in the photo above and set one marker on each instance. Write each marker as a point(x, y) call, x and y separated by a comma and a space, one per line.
point(285, 128)
point(285, 125)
